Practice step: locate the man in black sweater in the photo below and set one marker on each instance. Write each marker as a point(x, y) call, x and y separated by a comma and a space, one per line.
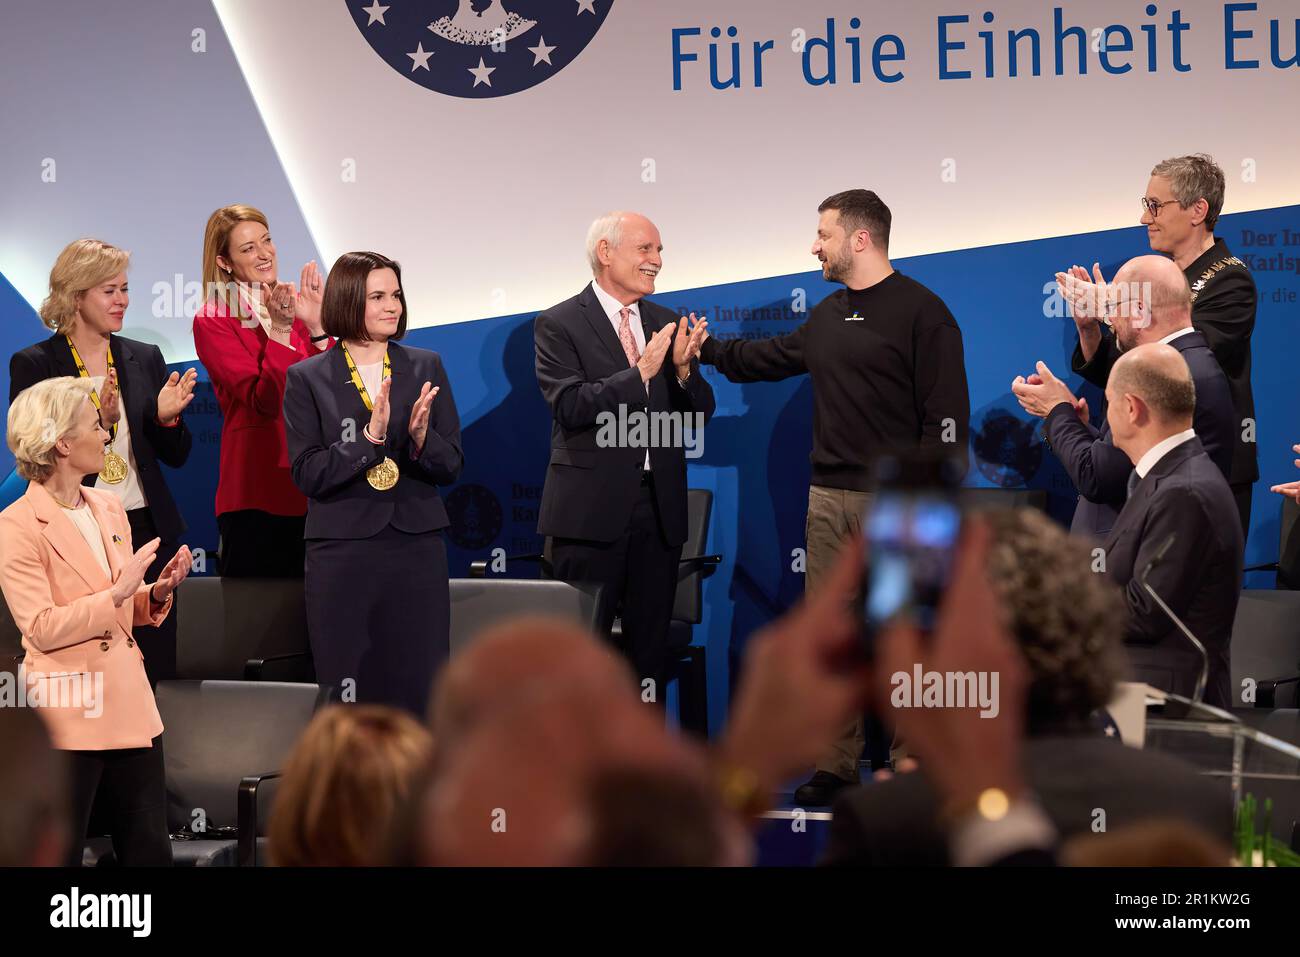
point(888, 374)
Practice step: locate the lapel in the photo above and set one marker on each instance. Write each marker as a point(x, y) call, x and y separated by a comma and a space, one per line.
point(108, 527)
point(592, 311)
point(130, 381)
point(66, 540)
point(1135, 508)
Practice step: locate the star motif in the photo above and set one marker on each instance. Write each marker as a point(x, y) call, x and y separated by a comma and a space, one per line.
point(420, 58)
point(376, 14)
point(482, 73)
point(541, 52)
point(1110, 731)
point(584, 6)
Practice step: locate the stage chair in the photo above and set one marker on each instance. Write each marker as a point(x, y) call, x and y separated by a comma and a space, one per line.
point(478, 603)
point(224, 741)
point(233, 628)
point(1287, 565)
point(688, 664)
point(1266, 647)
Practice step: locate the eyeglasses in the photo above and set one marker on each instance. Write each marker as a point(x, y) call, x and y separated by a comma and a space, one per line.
point(1153, 206)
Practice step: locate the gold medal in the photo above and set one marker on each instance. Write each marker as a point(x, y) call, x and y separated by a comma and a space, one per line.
point(115, 469)
point(384, 475)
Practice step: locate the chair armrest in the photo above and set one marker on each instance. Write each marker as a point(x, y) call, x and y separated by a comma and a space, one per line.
point(1267, 567)
point(246, 816)
point(253, 666)
point(1266, 691)
point(706, 565)
point(479, 569)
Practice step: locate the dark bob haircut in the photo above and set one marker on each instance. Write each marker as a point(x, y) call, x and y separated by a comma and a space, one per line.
point(343, 308)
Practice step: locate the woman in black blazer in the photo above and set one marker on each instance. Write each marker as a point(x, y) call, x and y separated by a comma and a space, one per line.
point(139, 404)
point(372, 432)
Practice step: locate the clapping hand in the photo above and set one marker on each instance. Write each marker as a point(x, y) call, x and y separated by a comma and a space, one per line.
point(175, 572)
point(419, 425)
point(177, 392)
point(686, 344)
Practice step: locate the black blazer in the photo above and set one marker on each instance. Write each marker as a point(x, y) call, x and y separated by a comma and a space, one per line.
point(1100, 471)
point(141, 372)
point(1199, 577)
point(1223, 310)
point(328, 454)
point(583, 371)
point(895, 822)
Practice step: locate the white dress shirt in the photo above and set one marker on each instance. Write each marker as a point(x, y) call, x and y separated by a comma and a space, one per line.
point(1160, 450)
point(1186, 330)
point(613, 308)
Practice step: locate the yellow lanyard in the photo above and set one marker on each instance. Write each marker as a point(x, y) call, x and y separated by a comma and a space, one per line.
point(94, 396)
point(356, 375)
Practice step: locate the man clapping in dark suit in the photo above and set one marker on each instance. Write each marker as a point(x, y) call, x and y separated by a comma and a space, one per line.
point(1177, 522)
point(1149, 301)
point(621, 377)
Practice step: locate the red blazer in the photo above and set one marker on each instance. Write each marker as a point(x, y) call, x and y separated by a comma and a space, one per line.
point(248, 370)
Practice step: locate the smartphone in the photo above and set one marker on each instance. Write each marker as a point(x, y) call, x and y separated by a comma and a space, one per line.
point(912, 528)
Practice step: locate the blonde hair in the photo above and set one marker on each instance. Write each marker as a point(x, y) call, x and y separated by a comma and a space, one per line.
point(82, 265)
point(347, 781)
point(216, 242)
point(39, 416)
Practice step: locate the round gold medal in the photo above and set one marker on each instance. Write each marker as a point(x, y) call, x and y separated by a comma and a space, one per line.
point(114, 470)
point(384, 475)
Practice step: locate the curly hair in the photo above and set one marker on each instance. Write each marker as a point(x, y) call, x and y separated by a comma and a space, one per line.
point(1068, 619)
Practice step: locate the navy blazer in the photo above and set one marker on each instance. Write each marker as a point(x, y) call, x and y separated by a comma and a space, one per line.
point(328, 454)
point(583, 371)
point(1100, 471)
point(141, 372)
point(1184, 496)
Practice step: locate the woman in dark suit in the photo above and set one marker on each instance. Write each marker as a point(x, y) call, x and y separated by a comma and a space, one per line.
point(139, 405)
point(372, 432)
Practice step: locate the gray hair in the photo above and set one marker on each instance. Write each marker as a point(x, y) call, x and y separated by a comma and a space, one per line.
point(1195, 177)
point(609, 228)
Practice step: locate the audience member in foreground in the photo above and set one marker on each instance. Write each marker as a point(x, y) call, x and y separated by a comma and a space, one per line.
point(344, 783)
point(1067, 623)
point(34, 782)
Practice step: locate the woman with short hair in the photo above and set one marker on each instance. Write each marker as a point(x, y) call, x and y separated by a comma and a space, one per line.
point(76, 589)
point(373, 432)
point(139, 404)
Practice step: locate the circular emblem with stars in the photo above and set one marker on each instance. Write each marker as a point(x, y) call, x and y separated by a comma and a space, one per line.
point(479, 48)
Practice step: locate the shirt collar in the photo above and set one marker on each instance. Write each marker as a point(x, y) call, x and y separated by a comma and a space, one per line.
point(1160, 450)
point(1186, 330)
point(611, 305)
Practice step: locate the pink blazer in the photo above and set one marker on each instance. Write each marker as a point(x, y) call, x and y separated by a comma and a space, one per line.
point(83, 666)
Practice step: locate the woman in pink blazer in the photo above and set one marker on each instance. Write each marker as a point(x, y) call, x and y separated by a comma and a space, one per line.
point(75, 590)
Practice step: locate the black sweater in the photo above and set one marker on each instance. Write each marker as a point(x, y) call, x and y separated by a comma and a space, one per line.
point(885, 382)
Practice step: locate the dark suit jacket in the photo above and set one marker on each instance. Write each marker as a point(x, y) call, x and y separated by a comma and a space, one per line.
point(583, 372)
point(1184, 495)
point(894, 822)
point(1100, 471)
point(141, 372)
point(1223, 310)
point(328, 454)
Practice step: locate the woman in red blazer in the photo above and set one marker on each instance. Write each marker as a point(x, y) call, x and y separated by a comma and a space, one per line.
point(76, 589)
point(251, 328)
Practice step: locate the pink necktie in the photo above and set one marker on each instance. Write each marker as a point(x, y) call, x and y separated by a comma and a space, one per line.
point(625, 337)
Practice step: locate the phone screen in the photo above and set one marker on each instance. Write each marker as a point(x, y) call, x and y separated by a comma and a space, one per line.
point(911, 538)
